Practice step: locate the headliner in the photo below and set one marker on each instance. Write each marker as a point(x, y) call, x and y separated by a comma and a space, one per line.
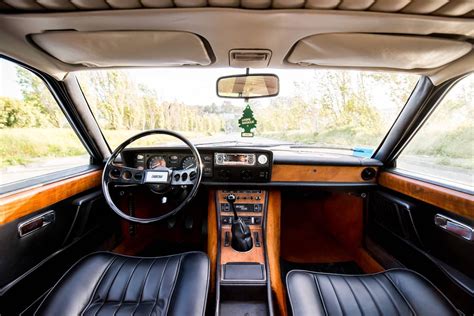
point(227, 28)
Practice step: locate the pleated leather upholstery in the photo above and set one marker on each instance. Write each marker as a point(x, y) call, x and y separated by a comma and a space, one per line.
point(456, 8)
point(110, 284)
point(393, 292)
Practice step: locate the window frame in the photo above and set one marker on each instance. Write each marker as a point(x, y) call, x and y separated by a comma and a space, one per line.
point(59, 94)
point(443, 91)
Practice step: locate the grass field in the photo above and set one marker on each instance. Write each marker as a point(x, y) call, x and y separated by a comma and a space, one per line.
point(20, 146)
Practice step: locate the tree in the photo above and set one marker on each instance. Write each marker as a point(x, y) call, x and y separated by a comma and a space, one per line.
point(15, 113)
point(247, 121)
point(39, 100)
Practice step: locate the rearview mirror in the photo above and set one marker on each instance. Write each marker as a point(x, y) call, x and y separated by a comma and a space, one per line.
point(248, 86)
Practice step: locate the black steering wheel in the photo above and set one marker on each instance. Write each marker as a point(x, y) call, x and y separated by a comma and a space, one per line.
point(162, 176)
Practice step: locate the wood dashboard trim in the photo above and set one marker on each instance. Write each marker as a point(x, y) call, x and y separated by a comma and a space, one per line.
point(451, 200)
point(17, 205)
point(313, 173)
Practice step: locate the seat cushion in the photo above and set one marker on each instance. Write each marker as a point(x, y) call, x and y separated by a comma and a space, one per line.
point(392, 292)
point(109, 284)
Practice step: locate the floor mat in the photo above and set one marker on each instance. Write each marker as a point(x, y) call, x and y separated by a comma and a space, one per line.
point(349, 267)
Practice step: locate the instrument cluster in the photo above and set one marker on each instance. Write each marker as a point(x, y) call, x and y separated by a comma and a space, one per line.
point(172, 161)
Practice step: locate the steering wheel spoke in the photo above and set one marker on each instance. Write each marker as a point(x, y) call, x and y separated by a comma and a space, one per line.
point(186, 176)
point(124, 175)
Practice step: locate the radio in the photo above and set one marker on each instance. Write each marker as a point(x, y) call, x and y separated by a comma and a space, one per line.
point(234, 159)
point(252, 166)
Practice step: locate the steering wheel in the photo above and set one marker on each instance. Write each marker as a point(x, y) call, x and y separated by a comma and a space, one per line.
point(162, 176)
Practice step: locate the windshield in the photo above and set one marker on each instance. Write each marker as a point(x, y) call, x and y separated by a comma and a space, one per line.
point(331, 109)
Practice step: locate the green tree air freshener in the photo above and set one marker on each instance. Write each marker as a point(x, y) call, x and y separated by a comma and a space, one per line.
point(247, 122)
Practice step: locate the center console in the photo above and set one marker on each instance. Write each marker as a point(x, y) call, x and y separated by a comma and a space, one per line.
point(242, 275)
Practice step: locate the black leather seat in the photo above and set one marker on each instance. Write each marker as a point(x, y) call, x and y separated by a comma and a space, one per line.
point(109, 284)
point(392, 292)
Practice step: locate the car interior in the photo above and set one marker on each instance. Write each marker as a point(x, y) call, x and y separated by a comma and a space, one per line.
point(236, 157)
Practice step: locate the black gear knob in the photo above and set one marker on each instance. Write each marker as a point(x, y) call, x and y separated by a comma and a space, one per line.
point(231, 198)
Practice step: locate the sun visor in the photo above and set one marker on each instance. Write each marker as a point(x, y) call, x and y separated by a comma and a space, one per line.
point(124, 48)
point(376, 51)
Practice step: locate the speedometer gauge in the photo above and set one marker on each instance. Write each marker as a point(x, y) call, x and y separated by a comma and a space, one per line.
point(155, 162)
point(188, 162)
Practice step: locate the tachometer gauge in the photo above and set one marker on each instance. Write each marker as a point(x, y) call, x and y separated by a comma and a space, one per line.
point(156, 162)
point(188, 162)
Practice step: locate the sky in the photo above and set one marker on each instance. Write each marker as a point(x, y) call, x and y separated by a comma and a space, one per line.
point(200, 84)
point(8, 85)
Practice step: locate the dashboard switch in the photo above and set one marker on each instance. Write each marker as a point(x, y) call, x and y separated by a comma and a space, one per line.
point(262, 159)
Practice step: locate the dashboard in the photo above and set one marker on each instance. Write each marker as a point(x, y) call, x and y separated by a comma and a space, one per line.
point(256, 166)
point(219, 165)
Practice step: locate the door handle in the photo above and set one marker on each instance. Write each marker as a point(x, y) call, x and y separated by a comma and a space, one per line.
point(454, 227)
point(33, 224)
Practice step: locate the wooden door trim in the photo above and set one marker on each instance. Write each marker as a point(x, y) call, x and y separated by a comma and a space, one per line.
point(450, 200)
point(18, 204)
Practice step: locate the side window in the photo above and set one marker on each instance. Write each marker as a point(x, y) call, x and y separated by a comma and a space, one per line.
point(443, 148)
point(35, 137)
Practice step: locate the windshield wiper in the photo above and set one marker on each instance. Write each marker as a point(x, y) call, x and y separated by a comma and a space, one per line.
point(247, 144)
point(321, 147)
point(224, 142)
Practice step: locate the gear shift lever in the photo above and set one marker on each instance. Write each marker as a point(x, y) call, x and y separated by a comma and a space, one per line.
point(241, 236)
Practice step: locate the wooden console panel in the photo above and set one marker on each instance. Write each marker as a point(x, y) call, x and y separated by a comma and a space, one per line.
point(245, 199)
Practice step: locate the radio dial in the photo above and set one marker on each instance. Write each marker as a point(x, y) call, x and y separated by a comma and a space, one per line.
point(245, 175)
point(262, 159)
point(225, 173)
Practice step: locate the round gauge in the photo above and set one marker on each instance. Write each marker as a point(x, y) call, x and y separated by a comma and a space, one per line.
point(188, 162)
point(156, 162)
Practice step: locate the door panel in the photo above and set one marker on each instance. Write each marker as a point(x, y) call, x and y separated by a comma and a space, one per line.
point(402, 222)
point(31, 264)
point(450, 200)
point(19, 204)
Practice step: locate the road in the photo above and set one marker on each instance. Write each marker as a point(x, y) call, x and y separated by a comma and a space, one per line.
point(39, 167)
point(428, 166)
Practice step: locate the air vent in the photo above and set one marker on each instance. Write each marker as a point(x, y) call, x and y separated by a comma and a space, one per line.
point(368, 174)
point(249, 58)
